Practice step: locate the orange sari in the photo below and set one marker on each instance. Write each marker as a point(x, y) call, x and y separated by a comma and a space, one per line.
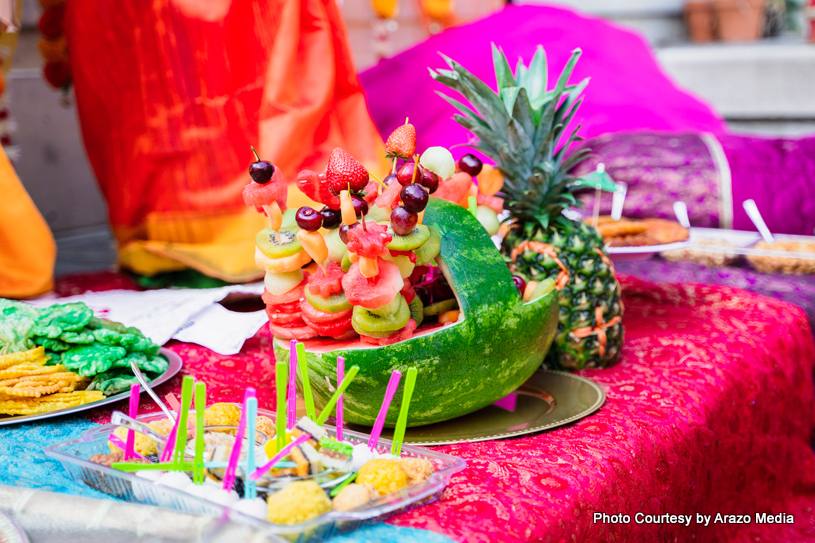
point(27, 249)
point(171, 94)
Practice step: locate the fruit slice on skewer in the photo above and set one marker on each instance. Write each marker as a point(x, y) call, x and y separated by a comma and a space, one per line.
point(281, 283)
point(414, 239)
point(277, 265)
point(278, 243)
point(371, 241)
point(315, 186)
point(375, 292)
point(326, 282)
point(293, 295)
point(386, 320)
point(400, 335)
point(429, 250)
point(267, 192)
point(349, 216)
point(314, 244)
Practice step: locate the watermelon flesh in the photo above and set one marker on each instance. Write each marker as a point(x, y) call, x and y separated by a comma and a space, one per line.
point(495, 346)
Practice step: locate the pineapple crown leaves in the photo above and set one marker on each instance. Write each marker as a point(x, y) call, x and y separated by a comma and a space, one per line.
point(522, 127)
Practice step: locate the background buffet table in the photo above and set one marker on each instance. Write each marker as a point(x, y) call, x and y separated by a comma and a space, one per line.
point(710, 410)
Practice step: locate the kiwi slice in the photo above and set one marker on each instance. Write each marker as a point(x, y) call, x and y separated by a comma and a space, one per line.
point(429, 249)
point(440, 307)
point(417, 310)
point(336, 303)
point(367, 321)
point(336, 248)
point(346, 262)
point(389, 308)
point(378, 214)
point(413, 240)
point(289, 219)
point(404, 264)
point(279, 244)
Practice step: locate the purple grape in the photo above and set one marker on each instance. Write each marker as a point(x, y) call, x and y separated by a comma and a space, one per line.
point(390, 179)
point(360, 206)
point(430, 181)
point(405, 174)
point(414, 197)
point(308, 219)
point(331, 217)
point(261, 171)
point(470, 164)
point(344, 232)
point(403, 221)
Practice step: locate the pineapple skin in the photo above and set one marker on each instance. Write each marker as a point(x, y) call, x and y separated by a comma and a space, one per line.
point(592, 283)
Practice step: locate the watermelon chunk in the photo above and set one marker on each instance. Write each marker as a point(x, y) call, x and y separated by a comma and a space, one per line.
point(493, 202)
point(408, 292)
point(277, 317)
point(297, 331)
point(370, 242)
point(276, 190)
point(400, 335)
point(390, 198)
point(315, 186)
point(328, 283)
point(375, 292)
point(455, 188)
point(313, 315)
point(334, 329)
point(294, 295)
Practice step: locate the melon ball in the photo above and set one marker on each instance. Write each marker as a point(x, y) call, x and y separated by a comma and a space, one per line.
point(298, 502)
point(416, 469)
point(383, 474)
point(354, 495)
point(439, 161)
point(266, 426)
point(222, 414)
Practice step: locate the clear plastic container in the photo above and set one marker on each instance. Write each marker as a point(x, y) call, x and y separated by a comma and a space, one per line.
point(74, 457)
point(715, 247)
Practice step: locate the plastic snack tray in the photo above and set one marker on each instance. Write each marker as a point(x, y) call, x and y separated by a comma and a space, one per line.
point(126, 486)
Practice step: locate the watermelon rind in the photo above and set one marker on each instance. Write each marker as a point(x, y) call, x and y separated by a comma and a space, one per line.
point(463, 366)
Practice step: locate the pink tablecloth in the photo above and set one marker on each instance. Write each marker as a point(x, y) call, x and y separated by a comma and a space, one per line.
point(710, 410)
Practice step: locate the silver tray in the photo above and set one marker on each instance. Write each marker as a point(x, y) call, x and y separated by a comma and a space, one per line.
point(547, 400)
point(174, 368)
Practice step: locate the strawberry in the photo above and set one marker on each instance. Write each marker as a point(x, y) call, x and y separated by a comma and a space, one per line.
point(315, 187)
point(402, 142)
point(342, 170)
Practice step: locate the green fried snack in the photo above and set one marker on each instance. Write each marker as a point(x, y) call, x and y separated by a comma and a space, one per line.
point(97, 323)
point(17, 322)
point(146, 363)
point(111, 382)
point(81, 338)
point(131, 342)
point(89, 360)
point(52, 331)
point(52, 344)
point(69, 317)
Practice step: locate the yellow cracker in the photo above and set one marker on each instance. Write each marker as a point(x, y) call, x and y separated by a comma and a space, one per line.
point(58, 401)
point(41, 379)
point(33, 356)
point(21, 370)
point(35, 391)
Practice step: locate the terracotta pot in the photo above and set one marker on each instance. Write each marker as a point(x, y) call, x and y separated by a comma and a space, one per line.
point(699, 18)
point(739, 20)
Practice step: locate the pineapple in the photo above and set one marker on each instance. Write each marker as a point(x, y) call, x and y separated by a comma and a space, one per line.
point(522, 128)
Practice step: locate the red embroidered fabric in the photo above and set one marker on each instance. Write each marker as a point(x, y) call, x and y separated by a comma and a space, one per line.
point(710, 410)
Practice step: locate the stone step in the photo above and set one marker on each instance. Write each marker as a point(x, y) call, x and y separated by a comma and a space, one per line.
point(765, 80)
